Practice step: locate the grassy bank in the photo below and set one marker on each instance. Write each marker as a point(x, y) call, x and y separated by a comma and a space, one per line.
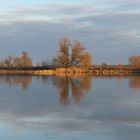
point(93, 70)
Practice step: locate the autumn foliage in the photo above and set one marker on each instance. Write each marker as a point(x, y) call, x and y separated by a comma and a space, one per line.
point(72, 54)
point(17, 61)
point(134, 60)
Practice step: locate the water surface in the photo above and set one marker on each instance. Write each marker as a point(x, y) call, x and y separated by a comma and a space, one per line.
point(60, 108)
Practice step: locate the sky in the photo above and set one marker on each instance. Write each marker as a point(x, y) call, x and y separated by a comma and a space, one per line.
point(109, 29)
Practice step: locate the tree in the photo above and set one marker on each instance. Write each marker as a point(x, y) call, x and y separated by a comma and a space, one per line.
point(63, 56)
point(25, 60)
point(71, 54)
point(17, 62)
point(45, 63)
point(2, 63)
point(134, 60)
point(86, 59)
point(77, 52)
point(8, 61)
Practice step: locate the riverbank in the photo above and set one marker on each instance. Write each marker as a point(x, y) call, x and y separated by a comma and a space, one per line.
point(69, 71)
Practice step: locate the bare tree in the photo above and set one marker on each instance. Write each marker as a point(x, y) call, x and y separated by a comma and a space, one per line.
point(8, 61)
point(86, 59)
point(134, 60)
point(2, 63)
point(25, 60)
point(17, 62)
point(72, 54)
point(63, 56)
point(77, 52)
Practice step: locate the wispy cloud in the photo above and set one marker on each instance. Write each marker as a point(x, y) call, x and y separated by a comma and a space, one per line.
point(103, 26)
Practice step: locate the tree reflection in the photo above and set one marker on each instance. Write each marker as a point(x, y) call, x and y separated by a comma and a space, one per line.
point(135, 82)
point(11, 80)
point(72, 88)
point(63, 85)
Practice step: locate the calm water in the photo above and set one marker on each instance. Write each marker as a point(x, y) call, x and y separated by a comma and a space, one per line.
point(58, 108)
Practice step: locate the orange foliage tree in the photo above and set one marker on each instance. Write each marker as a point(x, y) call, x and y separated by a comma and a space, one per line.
point(134, 60)
point(72, 54)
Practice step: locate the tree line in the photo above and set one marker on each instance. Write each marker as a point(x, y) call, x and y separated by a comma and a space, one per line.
point(71, 53)
point(17, 61)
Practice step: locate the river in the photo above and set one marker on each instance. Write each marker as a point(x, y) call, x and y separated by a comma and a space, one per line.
point(69, 108)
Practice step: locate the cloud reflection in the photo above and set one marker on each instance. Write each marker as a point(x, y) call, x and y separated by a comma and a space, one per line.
point(108, 107)
point(22, 80)
point(70, 89)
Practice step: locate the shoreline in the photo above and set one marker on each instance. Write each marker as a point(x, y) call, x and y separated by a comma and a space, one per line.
point(72, 71)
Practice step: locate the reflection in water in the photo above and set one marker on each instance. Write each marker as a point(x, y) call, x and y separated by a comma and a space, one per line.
point(11, 80)
point(135, 82)
point(109, 112)
point(72, 88)
point(69, 88)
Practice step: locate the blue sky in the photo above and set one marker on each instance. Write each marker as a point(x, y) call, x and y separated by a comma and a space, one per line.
point(109, 29)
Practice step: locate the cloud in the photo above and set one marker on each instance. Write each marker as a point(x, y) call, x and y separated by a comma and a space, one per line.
point(49, 12)
point(68, 13)
point(103, 29)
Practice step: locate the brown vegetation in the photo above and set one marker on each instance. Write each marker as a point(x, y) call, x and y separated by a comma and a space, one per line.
point(72, 59)
point(72, 54)
point(17, 61)
point(135, 60)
